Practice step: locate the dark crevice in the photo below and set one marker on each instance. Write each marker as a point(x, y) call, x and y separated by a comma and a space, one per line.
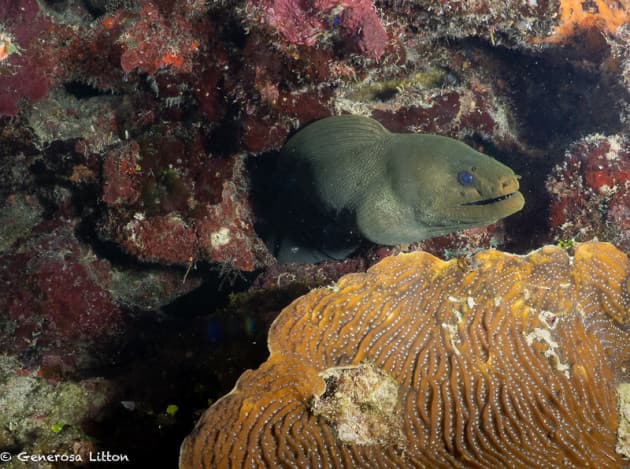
point(219, 283)
point(527, 229)
point(556, 99)
point(83, 91)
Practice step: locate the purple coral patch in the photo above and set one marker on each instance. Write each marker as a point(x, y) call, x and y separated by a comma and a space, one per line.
point(22, 74)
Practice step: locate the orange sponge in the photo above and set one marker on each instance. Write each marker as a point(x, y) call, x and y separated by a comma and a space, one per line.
point(579, 15)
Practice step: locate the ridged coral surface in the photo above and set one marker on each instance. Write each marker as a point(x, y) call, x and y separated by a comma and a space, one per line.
point(507, 361)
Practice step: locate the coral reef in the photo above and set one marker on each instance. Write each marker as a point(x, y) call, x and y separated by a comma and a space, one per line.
point(510, 361)
point(246, 88)
point(131, 134)
point(164, 204)
point(590, 191)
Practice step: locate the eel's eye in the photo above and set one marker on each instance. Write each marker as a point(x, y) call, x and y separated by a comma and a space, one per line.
point(465, 178)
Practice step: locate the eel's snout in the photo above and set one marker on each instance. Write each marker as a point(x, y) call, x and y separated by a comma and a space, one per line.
point(509, 184)
point(505, 188)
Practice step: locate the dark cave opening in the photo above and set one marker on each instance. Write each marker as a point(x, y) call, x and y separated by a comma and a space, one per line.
point(558, 95)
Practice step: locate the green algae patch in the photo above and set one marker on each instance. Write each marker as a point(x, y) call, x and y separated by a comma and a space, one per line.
point(433, 77)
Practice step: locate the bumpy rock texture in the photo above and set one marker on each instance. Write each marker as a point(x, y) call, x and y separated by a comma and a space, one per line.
point(590, 191)
point(509, 361)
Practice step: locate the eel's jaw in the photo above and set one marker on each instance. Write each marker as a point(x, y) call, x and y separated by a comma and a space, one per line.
point(493, 200)
point(487, 211)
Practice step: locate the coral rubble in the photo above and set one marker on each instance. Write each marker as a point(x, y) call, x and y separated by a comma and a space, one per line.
point(508, 362)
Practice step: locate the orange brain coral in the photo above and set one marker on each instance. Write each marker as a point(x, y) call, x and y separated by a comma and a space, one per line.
point(511, 361)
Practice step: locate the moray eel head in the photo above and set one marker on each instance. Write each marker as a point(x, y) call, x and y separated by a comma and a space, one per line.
point(451, 185)
point(347, 177)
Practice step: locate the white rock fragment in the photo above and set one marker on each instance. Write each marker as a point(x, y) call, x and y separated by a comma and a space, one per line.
point(544, 335)
point(623, 431)
point(220, 238)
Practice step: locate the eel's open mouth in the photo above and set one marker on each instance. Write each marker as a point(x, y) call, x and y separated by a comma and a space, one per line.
point(491, 201)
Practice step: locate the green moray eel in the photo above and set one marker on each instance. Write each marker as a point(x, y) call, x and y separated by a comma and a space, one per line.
point(387, 187)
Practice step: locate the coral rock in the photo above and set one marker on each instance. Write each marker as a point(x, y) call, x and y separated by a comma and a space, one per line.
point(590, 191)
point(305, 22)
point(55, 298)
point(167, 239)
point(226, 231)
point(62, 306)
point(620, 53)
point(170, 202)
point(512, 361)
point(153, 41)
point(21, 73)
point(120, 172)
point(362, 31)
point(18, 215)
point(426, 101)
